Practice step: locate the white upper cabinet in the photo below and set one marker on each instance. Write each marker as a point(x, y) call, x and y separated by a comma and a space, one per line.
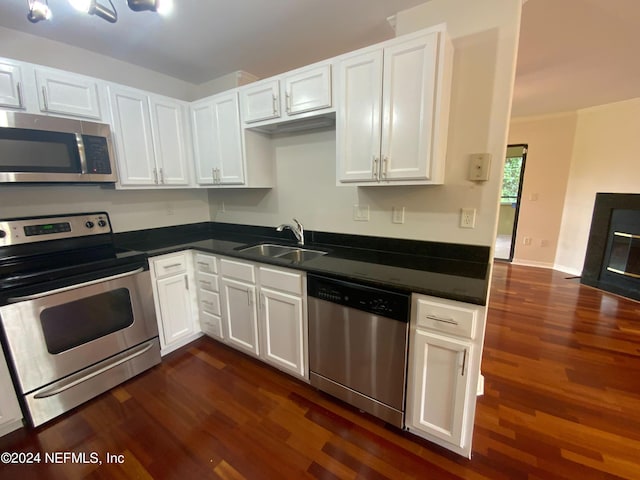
point(62, 93)
point(11, 85)
point(168, 121)
point(358, 122)
point(261, 101)
point(393, 111)
point(217, 140)
point(150, 138)
point(308, 90)
point(300, 93)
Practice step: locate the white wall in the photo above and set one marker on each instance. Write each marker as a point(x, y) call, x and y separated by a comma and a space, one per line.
point(485, 36)
point(128, 210)
point(550, 139)
point(29, 48)
point(605, 159)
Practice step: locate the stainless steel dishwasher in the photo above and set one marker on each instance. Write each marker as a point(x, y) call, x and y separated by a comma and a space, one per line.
point(358, 345)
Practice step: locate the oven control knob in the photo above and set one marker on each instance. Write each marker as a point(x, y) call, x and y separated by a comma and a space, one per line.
point(89, 224)
point(102, 223)
point(3, 234)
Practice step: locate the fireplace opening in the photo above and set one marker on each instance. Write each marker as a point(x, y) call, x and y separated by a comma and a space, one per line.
point(612, 261)
point(625, 254)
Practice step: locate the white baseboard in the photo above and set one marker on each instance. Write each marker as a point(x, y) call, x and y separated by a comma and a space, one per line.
point(480, 390)
point(532, 263)
point(569, 270)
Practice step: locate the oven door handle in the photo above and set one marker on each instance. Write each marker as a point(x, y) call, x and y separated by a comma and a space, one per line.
point(66, 385)
point(73, 287)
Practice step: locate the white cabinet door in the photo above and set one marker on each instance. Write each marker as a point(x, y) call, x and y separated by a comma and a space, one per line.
point(10, 414)
point(68, 94)
point(169, 141)
point(175, 309)
point(133, 136)
point(282, 331)
point(308, 90)
point(11, 86)
point(408, 108)
point(359, 87)
point(217, 139)
point(401, 140)
point(261, 101)
point(240, 315)
point(437, 386)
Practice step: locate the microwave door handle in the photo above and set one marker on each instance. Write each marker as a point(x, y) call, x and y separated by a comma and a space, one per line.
point(73, 287)
point(83, 156)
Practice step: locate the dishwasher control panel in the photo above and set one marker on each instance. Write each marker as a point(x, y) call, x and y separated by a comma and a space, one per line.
point(374, 300)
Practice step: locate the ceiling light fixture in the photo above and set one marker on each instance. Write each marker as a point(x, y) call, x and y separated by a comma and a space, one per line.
point(92, 7)
point(38, 10)
point(160, 6)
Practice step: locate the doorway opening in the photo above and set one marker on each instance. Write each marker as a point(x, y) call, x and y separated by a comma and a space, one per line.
point(512, 177)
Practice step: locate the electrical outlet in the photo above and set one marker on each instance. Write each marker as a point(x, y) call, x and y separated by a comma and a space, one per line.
point(467, 218)
point(526, 241)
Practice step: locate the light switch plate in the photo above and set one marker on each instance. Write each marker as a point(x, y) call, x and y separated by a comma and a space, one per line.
point(397, 215)
point(479, 164)
point(361, 213)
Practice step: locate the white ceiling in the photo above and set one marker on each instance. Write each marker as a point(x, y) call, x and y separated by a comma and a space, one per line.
point(573, 53)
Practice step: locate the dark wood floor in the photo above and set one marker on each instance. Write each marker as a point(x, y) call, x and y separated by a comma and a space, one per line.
point(562, 401)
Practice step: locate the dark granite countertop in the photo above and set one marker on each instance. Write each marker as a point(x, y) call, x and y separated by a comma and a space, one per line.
point(446, 270)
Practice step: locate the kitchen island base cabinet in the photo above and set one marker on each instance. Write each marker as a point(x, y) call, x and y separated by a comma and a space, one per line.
point(445, 347)
point(175, 300)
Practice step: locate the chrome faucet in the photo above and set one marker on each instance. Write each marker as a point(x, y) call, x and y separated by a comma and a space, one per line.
point(297, 229)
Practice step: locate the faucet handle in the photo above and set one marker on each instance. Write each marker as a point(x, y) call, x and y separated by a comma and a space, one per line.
point(298, 224)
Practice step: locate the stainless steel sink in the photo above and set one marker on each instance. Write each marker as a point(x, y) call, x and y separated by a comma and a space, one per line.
point(284, 252)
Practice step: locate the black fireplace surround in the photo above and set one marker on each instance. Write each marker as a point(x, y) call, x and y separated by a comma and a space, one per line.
point(612, 261)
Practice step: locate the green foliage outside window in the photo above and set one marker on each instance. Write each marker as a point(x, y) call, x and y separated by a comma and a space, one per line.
point(511, 179)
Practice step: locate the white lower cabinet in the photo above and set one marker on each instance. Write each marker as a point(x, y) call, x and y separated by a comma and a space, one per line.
point(444, 364)
point(283, 319)
point(241, 315)
point(10, 414)
point(264, 311)
point(175, 300)
point(209, 305)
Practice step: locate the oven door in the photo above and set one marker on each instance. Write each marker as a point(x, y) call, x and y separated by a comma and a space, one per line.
point(58, 333)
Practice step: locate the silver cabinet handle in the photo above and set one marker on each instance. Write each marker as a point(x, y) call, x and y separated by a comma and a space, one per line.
point(249, 302)
point(161, 176)
point(69, 383)
point(275, 104)
point(464, 362)
point(173, 265)
point(375, 167)
point(155, 176)
point(20, 99)
point(44, 98)
point(385, 163)
point(73, 287)
point(288, 101)
point(213, 175)
point(186, 282)
point(450, 321)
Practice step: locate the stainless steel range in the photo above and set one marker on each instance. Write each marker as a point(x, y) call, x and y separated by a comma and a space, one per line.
point(77, 314)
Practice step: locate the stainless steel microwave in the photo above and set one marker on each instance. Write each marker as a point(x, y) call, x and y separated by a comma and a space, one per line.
point(42, 149)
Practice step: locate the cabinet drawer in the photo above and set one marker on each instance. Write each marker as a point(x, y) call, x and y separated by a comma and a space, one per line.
point(209, 302)
point(237, 270)
point(211, 325)
point(207, 282)
point(206, 263)
point(284, 280)
point(446, 316)
point(170, 265)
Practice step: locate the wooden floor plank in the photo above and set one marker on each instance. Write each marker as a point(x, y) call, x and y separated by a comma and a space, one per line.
point(562, 401)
